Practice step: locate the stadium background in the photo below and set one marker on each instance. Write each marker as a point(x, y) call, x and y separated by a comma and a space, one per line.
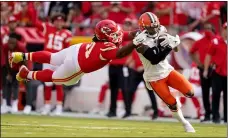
point(183, 18)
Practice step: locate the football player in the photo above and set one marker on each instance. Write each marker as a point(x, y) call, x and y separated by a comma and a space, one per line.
point(81, 58)
point(56, 39)
point(158, 73)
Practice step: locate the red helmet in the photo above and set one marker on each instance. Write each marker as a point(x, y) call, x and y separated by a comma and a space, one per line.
point(108, 30)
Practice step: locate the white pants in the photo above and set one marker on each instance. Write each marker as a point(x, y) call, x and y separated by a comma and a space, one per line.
point(66, 67)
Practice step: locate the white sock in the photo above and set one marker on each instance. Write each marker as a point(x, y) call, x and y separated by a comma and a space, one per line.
point(179, 116)
point(26, 56)
point(30, 75)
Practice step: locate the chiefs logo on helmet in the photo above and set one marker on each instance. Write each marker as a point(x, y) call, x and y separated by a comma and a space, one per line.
point(109, 31)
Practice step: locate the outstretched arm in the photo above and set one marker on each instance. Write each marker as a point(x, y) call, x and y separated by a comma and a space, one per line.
point(125, 50)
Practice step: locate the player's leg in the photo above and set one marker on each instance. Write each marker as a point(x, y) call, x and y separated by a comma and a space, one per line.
point(67, 73)
point(180, 83)
point(59, 96)
point(162, 90)
point(42, 56)
point(47, 98)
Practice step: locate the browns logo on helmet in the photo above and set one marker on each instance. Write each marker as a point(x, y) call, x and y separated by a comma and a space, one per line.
point(150, 22)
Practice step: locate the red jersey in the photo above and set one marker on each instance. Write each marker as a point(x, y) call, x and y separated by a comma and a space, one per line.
point(95, 55)
point(194, 75)
point(218, 52)
point(202, 46)
point(165, 19)
point(55, 40)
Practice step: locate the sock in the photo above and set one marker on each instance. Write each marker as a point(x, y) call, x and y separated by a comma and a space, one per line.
point(179, 116)
point(102, 93)
point(59, 94)
point(47, 94)
point(39, 57)
point(44, 75)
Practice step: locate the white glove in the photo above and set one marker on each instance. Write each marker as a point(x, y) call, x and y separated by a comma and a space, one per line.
point(173, 41)
point(140, 38)
point(165, 42)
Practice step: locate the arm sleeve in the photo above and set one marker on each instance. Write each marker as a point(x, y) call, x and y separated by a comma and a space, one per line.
point(155, 54)
point(108, 52)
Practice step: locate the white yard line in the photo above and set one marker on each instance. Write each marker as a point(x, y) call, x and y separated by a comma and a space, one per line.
point(73, 127)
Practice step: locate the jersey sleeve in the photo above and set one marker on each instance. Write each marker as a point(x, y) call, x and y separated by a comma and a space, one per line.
point(108, 51)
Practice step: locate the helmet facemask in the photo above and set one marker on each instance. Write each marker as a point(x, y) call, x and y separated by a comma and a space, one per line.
point(116, 37)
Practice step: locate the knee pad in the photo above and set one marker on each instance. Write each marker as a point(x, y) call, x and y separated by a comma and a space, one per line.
point(48, 83)
point(190, 94)
point(173, 108)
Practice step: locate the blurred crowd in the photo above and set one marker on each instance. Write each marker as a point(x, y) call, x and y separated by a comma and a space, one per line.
point(81, 18)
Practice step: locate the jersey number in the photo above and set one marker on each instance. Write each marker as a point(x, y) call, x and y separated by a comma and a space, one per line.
point(56, 44)
point(89, 48)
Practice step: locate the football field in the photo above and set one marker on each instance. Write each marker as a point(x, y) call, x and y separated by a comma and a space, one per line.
point(46, 126)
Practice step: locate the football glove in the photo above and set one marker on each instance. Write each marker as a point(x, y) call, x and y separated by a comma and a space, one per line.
point(140, 38)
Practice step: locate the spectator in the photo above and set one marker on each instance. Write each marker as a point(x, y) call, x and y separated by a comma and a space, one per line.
point(198, 55)
point(10, 84)
point(211, 14)
point(26, 13)
point(193, 11)
point(118, 79)
point(118, 11)
point(166, 13)
point(57, 7)
point(56, 39)
point(74, 18)
point(217, 55)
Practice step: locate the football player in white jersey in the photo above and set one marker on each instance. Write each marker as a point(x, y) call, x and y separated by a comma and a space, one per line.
point(159, 75)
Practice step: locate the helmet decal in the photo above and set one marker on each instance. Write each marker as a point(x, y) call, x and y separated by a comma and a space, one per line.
point(105, 30)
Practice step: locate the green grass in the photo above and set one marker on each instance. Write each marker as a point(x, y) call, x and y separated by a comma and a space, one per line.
point(45, 126)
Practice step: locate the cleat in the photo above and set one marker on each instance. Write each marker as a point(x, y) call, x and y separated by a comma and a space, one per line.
point(46, 109)
point(14, 108)
point(188, 128)
point(27, 110)
point(58, 110)
point(22, 74)
point(17, 57)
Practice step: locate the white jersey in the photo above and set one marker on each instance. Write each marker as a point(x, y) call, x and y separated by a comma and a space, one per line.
point(158, 71)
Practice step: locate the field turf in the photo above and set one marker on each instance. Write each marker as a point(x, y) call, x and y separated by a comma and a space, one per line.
point(46, 126)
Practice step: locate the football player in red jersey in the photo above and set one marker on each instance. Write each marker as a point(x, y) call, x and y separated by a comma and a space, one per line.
point(81, 58)
point(56, 39)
